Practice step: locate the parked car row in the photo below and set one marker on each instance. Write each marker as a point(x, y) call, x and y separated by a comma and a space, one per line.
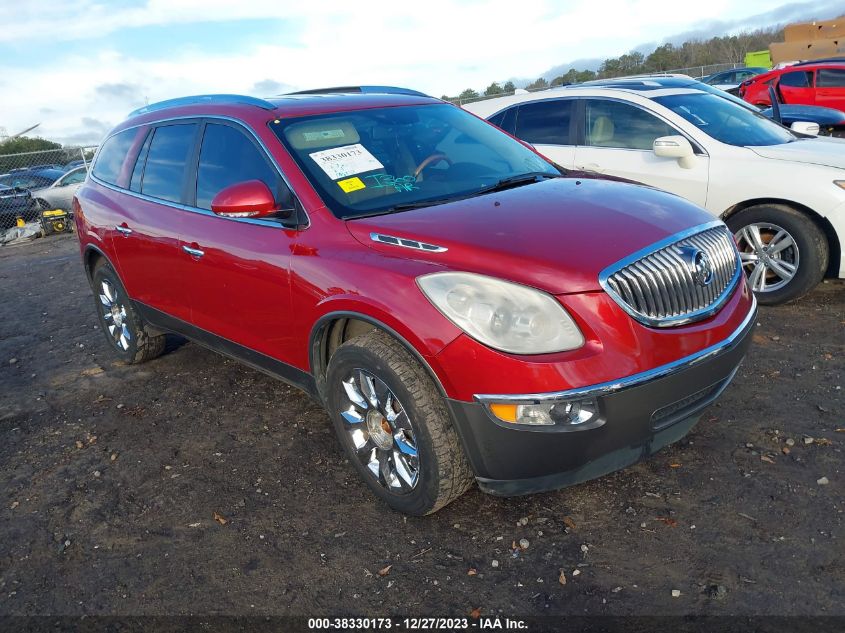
point(782, 193)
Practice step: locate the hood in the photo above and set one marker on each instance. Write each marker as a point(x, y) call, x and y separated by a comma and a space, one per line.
point(823, 150)
point(556, 235)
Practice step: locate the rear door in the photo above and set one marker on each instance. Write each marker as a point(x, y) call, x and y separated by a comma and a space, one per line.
point(238, 269)
point(830, 87)
point(619, 139)
point(147, 242)
point(548, 125)
point(796, 87)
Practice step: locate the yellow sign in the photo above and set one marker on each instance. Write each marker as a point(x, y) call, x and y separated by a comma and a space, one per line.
point(351, 184)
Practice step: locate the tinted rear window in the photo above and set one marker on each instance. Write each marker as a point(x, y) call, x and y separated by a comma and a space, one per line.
point(111, 156)
point(544, 122)
point(831, 78)
point(167, 161)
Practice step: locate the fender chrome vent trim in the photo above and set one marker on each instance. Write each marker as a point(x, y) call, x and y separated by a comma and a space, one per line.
point(381, 238)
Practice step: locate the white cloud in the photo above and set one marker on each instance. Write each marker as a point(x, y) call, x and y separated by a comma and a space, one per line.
point(436, 46)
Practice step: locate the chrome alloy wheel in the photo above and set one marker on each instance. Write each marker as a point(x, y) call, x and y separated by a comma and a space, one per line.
point(769, 255)
point(114, 315)
point(381, 432)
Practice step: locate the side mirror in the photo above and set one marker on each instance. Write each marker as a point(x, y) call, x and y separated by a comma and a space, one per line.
point(249, 199)
point(805, 127)
point(676, 147)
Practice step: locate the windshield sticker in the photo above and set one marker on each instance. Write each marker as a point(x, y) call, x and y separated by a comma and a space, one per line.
point(323, 135)
point(400, 183)
point(351, 184)
point(340, 162)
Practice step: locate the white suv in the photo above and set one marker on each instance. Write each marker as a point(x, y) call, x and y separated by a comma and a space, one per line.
point(780, 192)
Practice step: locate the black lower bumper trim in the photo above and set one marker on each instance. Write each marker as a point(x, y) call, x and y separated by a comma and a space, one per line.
point(638, 421)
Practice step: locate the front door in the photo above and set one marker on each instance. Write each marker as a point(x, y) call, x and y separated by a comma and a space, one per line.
point(796, 88)
point(619, 139)
point(238, 269)
point(548, 125)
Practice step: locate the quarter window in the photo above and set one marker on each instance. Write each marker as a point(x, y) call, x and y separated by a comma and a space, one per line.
point(797, 79)
point(620, 125)
point(830, 78)
point(229, 157)
point(167, 161)
point(545, 122)
point(111, 156)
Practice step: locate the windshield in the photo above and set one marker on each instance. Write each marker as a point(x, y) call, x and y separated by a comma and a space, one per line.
point(382, 160)
point(726, 121)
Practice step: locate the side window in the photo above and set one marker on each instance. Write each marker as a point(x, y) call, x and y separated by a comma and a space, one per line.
point(138, 170)
point(229, 157)
point(111, 156)
point(505, 119)
point(167, 161)
point(620, 125)
point(74, 178)
point(796, 79)
point(830, 78)
point(545, 122)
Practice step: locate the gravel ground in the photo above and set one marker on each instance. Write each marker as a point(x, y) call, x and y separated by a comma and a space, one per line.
point(193, 485)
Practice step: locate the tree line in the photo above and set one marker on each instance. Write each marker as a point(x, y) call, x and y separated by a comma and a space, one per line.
point(695, 52)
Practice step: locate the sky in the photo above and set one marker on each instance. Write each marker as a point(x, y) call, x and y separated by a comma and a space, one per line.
point(78, 67)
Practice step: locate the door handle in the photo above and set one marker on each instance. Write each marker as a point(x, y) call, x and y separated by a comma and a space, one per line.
point(124, 230)
point(193, 252)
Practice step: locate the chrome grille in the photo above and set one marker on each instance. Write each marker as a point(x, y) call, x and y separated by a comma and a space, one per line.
point(667, 284)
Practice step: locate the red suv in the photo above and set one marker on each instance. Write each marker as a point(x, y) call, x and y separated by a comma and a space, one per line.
point(819, 83)
point(462, 308)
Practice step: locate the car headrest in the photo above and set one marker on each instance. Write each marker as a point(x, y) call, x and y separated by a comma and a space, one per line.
point(602, 130)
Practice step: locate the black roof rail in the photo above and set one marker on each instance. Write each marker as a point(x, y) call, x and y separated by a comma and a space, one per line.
point(391, 90)
point(217, 99)
point(826, 60)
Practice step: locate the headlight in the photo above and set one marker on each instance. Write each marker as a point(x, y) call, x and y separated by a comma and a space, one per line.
point(839, 183)
point(504, 315)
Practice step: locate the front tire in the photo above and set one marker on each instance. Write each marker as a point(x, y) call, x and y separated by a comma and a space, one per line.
point(120, 321)
point(394, 426)
point(783, 252)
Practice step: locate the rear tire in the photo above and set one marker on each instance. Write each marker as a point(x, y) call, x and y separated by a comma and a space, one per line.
point(784, 253)
point(122, 325)
point(399, 436)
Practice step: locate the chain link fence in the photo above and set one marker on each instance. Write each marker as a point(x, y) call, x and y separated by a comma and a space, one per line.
point(37, 188)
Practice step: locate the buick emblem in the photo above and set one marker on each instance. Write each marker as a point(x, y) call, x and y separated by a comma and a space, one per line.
point(699, 265)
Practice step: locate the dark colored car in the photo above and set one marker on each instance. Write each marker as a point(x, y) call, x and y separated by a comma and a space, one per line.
point(462, 309)
point(15, 203)
point(831, 122)
point(32, 177)
point(819, 83)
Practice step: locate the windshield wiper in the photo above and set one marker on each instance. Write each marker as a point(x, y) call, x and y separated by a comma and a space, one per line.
point(517, 181)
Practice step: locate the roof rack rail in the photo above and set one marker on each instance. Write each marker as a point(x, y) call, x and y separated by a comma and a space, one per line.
point(391, 90)
point(826, 60)
point(218, 99)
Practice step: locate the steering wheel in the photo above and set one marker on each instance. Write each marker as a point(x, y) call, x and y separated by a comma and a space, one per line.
point(428, 160)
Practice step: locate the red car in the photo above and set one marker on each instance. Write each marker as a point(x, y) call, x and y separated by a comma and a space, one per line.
point(819, 83)
point(463, 310)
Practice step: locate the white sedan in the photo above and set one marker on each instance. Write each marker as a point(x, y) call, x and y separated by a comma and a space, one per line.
point(59, 195)
point(780, 192)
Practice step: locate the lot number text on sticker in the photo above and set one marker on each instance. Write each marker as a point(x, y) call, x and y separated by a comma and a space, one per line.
point(348, 160)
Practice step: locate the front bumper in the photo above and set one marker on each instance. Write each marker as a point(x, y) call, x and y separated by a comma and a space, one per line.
point(641, 414)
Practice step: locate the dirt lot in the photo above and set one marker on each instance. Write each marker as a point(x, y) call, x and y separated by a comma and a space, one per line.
point(193, 485)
